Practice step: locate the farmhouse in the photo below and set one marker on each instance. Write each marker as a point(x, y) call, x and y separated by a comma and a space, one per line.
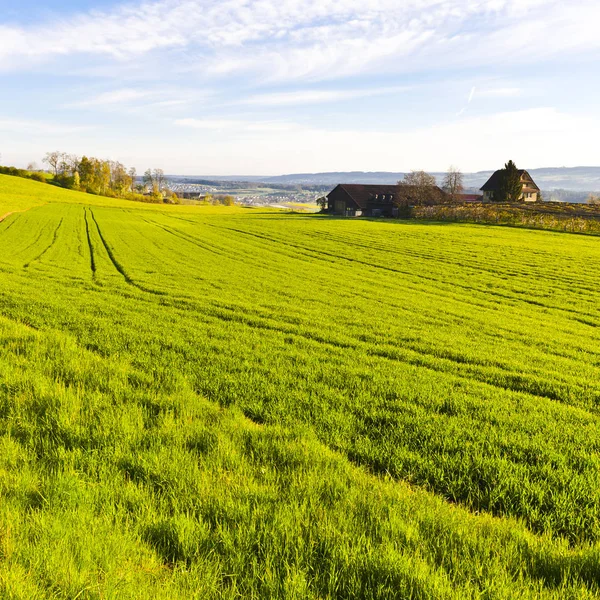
point(355, 200)
point(531, 192)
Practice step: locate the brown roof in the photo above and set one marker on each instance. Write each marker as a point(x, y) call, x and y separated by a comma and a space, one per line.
point(493, 183)
point(363, 195)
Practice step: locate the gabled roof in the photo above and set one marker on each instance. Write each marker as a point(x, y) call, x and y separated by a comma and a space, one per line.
point(364, 195)
point(493, 183)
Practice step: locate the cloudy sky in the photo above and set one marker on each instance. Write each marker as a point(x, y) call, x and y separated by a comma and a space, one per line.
point(262, 87)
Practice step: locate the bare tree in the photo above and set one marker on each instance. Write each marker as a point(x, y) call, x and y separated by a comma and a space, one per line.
point(54, 160)
point(453, 183)
point(148, 180)
point(159, 179)
point(72, 162)
point(132, 174)
point(420, 184)
point(592, 199)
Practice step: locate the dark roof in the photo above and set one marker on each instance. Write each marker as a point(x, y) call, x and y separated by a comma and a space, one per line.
point(363, 195)
point(493, 183)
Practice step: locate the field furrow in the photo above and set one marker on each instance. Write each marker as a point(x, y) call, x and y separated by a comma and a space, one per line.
point(211, 394)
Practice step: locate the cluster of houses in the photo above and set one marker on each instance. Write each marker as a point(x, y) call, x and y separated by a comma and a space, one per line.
point(356, 200)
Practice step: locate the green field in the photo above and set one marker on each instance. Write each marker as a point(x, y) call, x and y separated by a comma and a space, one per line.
point(211, 402)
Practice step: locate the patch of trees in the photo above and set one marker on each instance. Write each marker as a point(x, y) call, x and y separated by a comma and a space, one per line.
point(107, 178)
point(421, 184)
point(25, 173)
point(219, 200)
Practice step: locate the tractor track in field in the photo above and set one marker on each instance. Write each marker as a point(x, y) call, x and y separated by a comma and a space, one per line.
point(54, 238)
point(90, 245)
point(185, 237)
point(12, 212)
point(333, 258)
point(118, 266)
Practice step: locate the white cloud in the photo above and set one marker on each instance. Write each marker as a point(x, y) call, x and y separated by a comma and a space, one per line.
point(236, 125)
point(161, 56)
point(38, 128)
point(533, 138)
point(319, 96)
point(500, 92)
point(312, 39)
point(123, 96)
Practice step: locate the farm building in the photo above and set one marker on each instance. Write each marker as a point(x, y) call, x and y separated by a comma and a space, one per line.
point(531, 192)
point(355, 200)
point(469, 198)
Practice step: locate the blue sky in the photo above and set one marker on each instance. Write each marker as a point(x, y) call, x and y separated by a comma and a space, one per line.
point(279, 86)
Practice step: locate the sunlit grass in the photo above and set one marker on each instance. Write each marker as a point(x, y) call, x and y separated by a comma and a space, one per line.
point(219, 402)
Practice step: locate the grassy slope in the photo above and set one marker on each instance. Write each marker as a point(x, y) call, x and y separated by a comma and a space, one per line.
point(17, 194)
point(230, 403)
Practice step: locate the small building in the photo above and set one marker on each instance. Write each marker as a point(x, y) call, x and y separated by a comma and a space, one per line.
point(469, 198)
point(531, 192)
point(356, 200)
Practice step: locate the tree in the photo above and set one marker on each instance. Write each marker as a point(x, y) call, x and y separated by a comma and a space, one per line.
point(70, 164)
point(154, 180)
point(322, 203)
point(593, 199)
point(148, 179)
point(53, 160)
point(132, 174)
point(420, 183)
point(120, 181)
point(32, 166)
point(86, 173)
point(159, 179)
point(514, 186)
point(453, 183)
point(510, 187)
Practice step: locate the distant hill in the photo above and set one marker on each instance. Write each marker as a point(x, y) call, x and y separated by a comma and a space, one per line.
point(580, 179)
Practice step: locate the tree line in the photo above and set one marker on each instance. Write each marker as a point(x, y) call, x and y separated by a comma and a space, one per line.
point(421, 183)
point(107, 178)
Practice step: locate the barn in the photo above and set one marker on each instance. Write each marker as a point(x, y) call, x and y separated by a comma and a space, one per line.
point(356, 200)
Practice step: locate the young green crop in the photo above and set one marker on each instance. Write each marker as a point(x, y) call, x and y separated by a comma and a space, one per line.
point(218, 402)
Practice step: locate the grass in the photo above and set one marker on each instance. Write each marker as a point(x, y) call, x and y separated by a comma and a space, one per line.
point(209, 402)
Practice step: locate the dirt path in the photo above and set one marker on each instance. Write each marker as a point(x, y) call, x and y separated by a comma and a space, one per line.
point(12, 212)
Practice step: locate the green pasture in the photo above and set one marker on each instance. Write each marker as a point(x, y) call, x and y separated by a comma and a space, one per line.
point(211, 402)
